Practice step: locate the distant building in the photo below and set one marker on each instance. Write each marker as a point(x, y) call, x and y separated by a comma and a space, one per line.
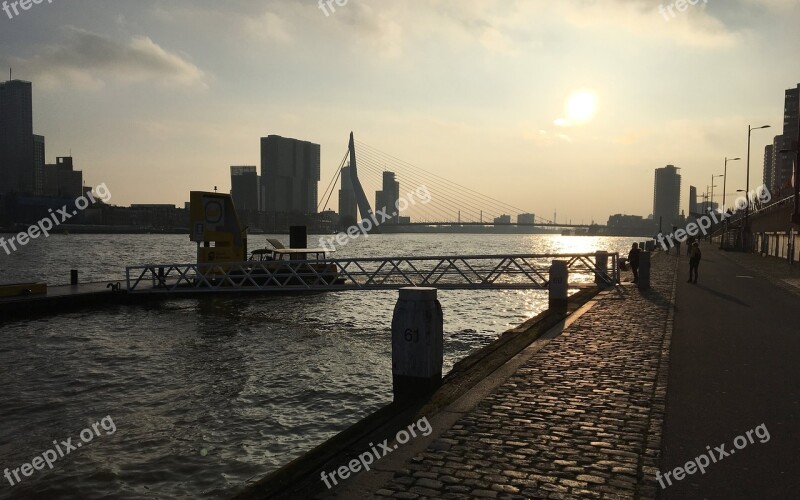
point(62, 180)
point(630, 225)
point(769, 166)
point(348, 209)
point(245, 188)
point(693, 209)
point(386, 200)
point(38, 165)
point(503, 219)
point(526, 219)
point(16, 137)
point(784, 162)
point(290, 171)
point(667, 197)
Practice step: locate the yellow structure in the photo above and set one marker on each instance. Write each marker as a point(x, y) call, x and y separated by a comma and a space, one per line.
point(215, 228)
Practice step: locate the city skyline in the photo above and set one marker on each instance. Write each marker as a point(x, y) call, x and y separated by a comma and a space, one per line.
point(158, 99)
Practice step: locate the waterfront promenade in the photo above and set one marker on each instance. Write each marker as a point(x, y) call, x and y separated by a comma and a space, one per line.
point(628, 388)
point(579, 416)
point(733, 367)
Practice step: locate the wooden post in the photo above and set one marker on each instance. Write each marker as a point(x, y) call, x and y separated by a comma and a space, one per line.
point(417, 343)
point(557, 286)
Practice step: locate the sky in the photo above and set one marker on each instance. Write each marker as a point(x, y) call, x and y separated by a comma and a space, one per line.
point(563, 105)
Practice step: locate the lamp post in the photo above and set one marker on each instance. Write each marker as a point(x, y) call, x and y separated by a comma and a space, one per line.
point(725, 180)
point(712, 189)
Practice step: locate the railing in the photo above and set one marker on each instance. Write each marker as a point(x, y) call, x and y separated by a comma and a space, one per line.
point(507, 272)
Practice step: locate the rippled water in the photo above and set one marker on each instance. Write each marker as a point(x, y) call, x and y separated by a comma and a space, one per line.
point(207, 393)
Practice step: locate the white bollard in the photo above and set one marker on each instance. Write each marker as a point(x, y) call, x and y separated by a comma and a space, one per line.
point(417, 343)
point(557, 286)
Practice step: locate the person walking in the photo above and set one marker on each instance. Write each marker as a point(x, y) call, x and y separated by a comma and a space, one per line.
point(633, 259)
point(694, 262)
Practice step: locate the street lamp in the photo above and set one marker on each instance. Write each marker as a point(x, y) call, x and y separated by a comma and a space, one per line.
point(747, 186)
point(712, 188)
point(725, 180)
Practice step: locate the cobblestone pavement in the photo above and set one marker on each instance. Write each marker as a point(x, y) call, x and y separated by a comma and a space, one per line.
point(581, 419)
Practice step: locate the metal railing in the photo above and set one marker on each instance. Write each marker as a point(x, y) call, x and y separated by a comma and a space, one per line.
point(505, 272)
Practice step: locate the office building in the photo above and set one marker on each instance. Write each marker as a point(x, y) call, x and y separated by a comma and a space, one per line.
point(38, 165)
point(784, 161)
point(16, 137)
point(526, 219)
point(290, 171)
point(503, 219)
point(245, 187)
point(667, 197)
point(693, 201)
point(387, 199)
point(62, 180)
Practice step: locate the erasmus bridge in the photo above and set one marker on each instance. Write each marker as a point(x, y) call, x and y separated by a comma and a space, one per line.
point(397, 185)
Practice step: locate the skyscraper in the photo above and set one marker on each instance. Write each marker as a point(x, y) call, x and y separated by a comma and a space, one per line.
point(784, 162)
point(38, 165)
point(693, 208)
point(386, 199)
point(667, 197)
point(290, 171)
point(16, 137)
point(245, 188)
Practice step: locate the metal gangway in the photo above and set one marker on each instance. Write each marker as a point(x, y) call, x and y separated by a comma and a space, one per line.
point(454, 272)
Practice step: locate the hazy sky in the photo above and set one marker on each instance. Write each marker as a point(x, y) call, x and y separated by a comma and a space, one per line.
point(157, 98)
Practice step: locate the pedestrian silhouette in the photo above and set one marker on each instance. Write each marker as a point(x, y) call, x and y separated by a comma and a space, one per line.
point(633, 258)
point(694, 262)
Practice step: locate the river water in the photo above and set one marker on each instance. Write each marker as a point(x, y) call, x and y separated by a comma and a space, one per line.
point(205, 394)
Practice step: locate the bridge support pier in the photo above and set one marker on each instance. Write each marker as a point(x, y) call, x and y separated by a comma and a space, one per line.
point(417, 343)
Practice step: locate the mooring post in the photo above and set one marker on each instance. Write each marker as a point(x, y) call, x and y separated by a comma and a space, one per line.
point(557, 286)
point(644, 270)
point(601, 263)
point(417, 343)
point(73, 277)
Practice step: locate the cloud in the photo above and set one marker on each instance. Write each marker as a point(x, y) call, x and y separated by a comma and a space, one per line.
point(90, 61)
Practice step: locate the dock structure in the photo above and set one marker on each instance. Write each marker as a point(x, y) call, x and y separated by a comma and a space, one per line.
point(35, 300)
point(464, 272)
point(609, 401)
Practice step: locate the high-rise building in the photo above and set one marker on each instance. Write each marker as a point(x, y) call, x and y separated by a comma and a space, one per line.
point(290, 171)
point(784, 162)
point(245, 188)
point(38, 165)
point(693, 201)
point(769, 166)
point(387, 198)
point(667, 197)
point(16, 137)
point(348, 209)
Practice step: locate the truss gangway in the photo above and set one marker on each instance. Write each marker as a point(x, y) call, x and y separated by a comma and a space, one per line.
point(455, 272)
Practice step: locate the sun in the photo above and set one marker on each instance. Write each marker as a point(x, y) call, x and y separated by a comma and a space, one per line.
point(581, 106)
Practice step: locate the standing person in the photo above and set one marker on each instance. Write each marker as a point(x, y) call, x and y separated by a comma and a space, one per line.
point(694, 261)
point(689, 243)
point(633, 259)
